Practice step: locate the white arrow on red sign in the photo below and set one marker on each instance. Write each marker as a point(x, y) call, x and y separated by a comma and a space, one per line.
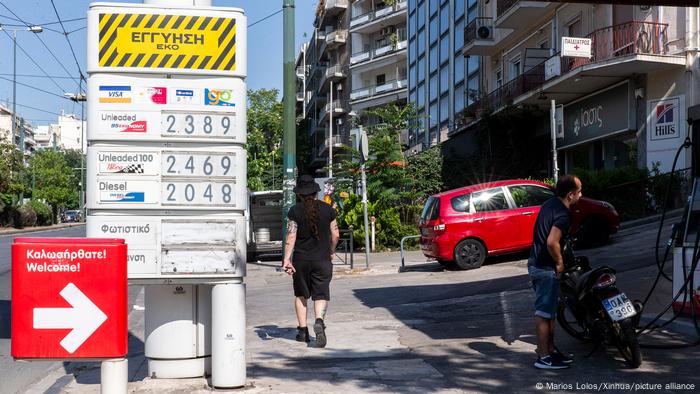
point(84, 318)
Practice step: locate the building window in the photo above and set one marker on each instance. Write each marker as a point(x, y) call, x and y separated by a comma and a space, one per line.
point(420, 101)
point(380, 79)
point(444, 79)
point(421, 42)
point(433, 87)
point(459, 8)
point(444, 108)
point(421, 68)
point(574, 28)
point(433, 30)
point(459, 68)
point(444, 19)
point(499, 79)
point(421, 15)
point(444, 48)
point(459, 98)
point(433, 58)
point(433, 6)
point(459, 36)
point(515, 68)
point(473, 86)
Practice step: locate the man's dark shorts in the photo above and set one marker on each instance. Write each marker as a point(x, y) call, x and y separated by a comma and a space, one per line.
point(312, 279)
point(546, 285)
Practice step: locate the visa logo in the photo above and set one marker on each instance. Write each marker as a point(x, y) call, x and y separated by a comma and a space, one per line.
point(115, 94)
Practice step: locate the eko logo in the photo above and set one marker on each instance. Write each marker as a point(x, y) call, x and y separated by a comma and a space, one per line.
point(220, 97)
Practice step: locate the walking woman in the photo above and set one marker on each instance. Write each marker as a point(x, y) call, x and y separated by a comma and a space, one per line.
point(312, 235)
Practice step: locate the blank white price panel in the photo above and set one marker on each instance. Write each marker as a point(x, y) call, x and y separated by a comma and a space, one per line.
point(198, 164)
point(199, 193)
point(209, 124)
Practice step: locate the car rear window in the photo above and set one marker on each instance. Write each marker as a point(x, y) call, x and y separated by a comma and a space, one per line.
point(460, 203)
point(431, 209)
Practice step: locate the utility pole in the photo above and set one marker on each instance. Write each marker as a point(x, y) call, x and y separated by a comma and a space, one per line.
point(553, 126)
point(289, 94)
point(330, 135)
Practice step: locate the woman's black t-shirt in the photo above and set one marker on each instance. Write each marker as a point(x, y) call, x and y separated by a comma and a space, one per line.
point(307, 247)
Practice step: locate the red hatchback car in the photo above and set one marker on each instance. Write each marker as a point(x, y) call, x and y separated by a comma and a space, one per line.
point(467, 224)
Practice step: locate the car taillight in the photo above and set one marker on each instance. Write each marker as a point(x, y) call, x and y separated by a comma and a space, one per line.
point(439, 226)
point(604, 281)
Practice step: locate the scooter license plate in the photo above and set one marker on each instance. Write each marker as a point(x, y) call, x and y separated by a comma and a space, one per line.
point(619, 307)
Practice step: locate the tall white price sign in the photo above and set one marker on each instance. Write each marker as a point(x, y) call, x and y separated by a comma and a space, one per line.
point(166, 128)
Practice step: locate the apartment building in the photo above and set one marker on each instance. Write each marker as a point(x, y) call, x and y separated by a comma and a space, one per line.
point(439, 76)
point(355, 60)
point(24, 126)
point(625, 105)
point(322, 92)
point(378, 61)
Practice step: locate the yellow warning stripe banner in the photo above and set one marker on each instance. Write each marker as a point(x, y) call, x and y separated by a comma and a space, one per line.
point(167, 41)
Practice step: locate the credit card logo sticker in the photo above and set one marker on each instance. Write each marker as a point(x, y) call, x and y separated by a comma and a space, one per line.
point(184, 96)
point(153, 95)
point(219, 97)
point(125, 197)
point(113, 94)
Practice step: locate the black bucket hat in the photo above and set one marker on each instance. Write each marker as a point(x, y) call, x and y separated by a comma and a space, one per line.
point(306, 185)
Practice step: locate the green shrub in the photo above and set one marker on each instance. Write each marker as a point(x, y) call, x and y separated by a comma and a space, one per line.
point(24, 216)
point(43, 212)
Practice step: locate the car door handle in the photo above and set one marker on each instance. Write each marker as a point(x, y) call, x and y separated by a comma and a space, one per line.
point(528, 213)
point(479, 220)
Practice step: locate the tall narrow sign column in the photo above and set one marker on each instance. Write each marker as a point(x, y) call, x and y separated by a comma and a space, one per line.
point(167, 172)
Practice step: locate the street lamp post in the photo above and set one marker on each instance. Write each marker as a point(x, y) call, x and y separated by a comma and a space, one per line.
point(81, 98)
point(35, 30)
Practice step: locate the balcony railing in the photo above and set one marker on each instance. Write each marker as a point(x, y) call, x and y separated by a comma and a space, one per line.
point(381, 48)
point(371, 91)
point(628, 38)
point(504, 5)
point(377, 14)
point(339, 106)
point(478, 29)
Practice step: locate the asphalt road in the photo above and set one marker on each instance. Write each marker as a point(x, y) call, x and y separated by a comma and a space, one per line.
point(17, 375)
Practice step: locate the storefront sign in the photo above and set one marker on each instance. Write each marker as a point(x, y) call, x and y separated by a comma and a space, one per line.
point(576, 47)
point(665, 130)
point(597, 116)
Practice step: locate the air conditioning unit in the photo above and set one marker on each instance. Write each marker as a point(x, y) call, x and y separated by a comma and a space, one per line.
point(484, 32)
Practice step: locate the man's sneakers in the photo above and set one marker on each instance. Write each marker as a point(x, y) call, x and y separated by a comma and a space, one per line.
point(320, 330)
point(566, 358)
point(550, 362)
point(303, 334)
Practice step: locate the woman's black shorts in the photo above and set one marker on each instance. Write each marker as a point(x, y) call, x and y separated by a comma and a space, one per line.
point(313, 279)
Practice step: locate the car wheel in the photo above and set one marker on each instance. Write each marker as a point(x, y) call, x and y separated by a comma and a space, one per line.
point(595, 231)
point(470, 254)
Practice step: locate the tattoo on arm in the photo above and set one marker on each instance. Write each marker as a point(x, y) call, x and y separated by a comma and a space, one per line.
point(291, 226)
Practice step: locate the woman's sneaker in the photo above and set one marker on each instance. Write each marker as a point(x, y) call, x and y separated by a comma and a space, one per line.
point(320, 330)
point(303, 334)
point(564, 357)
point(549, 362)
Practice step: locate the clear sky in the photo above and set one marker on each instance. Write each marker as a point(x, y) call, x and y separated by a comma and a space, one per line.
point(264, 49)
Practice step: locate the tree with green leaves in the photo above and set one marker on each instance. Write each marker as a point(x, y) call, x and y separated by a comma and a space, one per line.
point(54, 181)
point(11, 179)
point(264, 145)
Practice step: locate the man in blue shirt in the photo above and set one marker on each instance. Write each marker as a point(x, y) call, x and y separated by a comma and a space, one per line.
point(546, 264)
